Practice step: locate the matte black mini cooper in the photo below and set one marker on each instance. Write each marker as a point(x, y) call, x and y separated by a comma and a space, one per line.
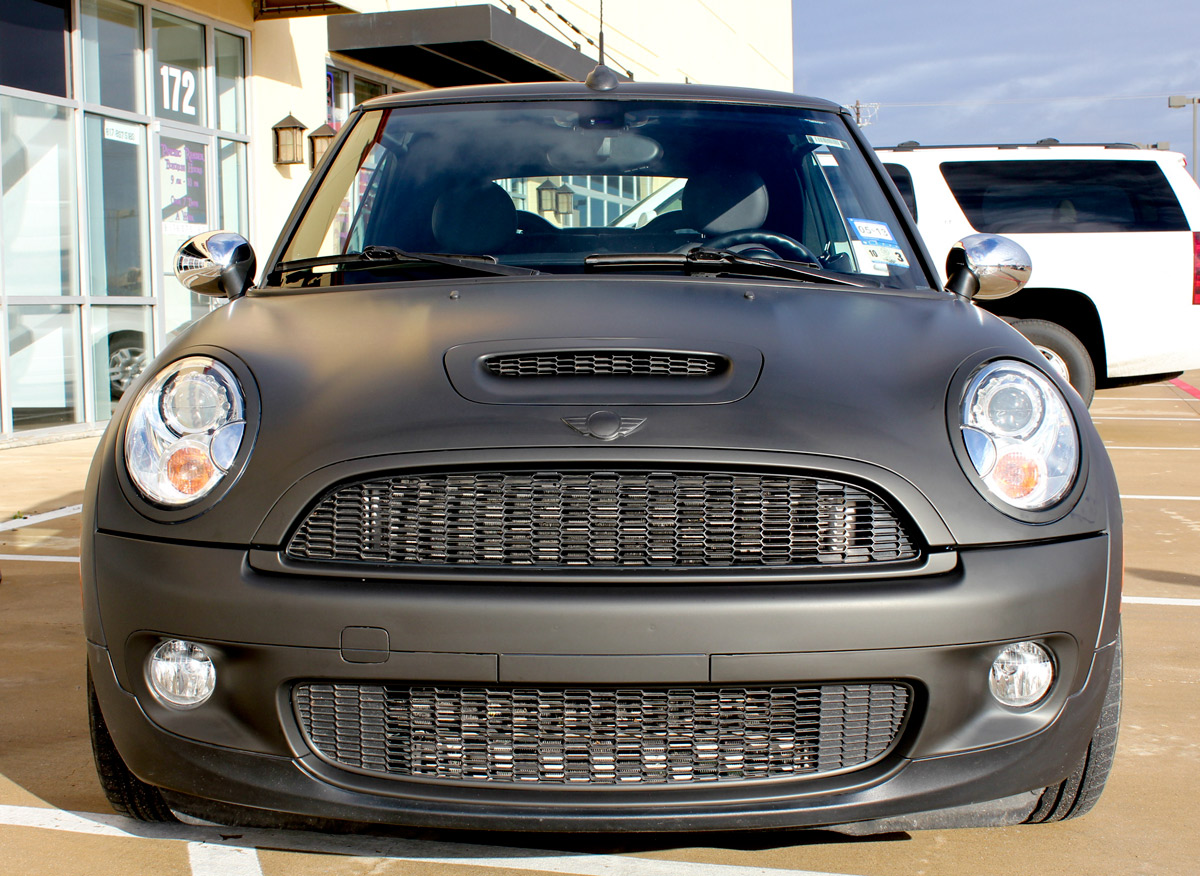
point(602, 457)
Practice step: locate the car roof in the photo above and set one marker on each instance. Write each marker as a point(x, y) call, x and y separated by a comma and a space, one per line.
point(1030, 151)
point(625, 90)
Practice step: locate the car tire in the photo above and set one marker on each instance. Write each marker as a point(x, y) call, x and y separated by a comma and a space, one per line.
point(1077, 793)
point(126, 793)
point(1063, 351)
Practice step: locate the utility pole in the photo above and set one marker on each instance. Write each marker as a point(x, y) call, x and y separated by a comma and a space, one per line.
point(1177, 101)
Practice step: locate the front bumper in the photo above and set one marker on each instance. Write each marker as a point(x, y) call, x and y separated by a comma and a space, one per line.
point(937, 633)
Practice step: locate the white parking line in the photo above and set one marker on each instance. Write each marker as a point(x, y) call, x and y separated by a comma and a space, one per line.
point(39, 518)
point(207, 858)
point(217, 851)
point(1195, 419)
point(1148, 449)
point(1130, 496)
point(1159, 600)
point(31, 558)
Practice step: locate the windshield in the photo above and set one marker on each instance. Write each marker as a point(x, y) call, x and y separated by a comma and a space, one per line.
point(550, 185)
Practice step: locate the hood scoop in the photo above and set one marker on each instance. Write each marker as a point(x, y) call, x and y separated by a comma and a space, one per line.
point(602, 370)
point(606, 363)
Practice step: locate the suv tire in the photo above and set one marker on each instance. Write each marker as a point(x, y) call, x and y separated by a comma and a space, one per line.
point(1062, 350)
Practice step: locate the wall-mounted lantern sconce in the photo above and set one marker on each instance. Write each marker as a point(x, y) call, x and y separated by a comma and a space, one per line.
point(289, 140)
point(318, 144)
point(546, 194)
point(564, 200)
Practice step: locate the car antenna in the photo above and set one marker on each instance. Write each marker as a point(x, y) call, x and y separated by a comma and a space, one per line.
point(602, 78)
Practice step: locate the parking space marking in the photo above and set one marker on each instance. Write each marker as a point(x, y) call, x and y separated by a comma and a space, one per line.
point(1160, 600)
point(1186, 387)
point(211, 849)
point(20, 522)
point(1148, 449)
point(31, 558)
point(1149, 419)
point(1125, 497)
point(207, 859)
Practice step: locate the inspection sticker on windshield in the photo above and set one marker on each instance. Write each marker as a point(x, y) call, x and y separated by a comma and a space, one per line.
point(827, 141)
point(876, 246)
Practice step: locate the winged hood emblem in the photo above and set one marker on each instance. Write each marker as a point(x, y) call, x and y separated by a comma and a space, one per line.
point(604, 425)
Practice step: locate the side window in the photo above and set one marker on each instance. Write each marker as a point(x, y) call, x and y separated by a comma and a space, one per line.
point(903, 180)
point(1064, 196)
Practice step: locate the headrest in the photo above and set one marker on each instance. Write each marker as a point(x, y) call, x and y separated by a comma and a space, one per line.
point(474, 219)
point(728, 200)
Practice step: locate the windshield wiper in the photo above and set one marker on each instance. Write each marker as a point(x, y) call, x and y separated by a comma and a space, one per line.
point(715, 261)
point(390, 255)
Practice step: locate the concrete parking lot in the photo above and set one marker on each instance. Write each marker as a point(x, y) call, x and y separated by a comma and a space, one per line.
point(54, 818)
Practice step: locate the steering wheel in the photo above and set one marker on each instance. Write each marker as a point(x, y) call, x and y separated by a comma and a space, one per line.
point(792, 249)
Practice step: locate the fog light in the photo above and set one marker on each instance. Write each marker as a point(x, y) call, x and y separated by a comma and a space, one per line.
point(181, 674)
point(1022, 674)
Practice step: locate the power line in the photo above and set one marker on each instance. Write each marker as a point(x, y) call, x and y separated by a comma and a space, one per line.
point(589, 40)
point(1012, 100)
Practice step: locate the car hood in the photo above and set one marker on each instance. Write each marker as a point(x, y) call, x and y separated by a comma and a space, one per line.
point(847, 379)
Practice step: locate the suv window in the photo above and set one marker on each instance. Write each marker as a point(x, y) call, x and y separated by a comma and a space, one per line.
point(1064, 196)
point(904, 184)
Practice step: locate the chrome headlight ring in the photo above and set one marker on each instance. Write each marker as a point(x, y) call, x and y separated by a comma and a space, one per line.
point(1022, 444)
point(188, 433)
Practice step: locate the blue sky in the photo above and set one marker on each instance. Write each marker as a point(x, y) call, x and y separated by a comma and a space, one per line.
point(1001, 72)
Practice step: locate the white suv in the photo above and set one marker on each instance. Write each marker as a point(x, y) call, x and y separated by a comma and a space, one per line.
point(1114, 236)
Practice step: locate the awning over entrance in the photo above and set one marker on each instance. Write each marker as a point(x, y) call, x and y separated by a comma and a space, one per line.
point(294, 8)
point(463, 45)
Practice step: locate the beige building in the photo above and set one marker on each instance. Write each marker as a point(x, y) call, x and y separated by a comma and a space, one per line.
point(126, 127)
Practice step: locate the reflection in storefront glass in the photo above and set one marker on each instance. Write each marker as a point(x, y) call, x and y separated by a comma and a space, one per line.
point(178, 69)
point(44, 383)
point(118, 227)
point(184, 212)
point(37, 178)
point(231, 70)
point(121, 347)
point(112, 54)
point(231, 186)
point(336, 85)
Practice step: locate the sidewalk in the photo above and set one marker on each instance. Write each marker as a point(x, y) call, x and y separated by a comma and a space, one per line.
point(44, 477)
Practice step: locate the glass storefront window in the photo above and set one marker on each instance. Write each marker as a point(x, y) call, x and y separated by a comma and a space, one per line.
point(231, 187)
point(37, 178)
point(365, 89)
point(121, 342)
point(112, 54)
point(34, 40)
point(178, 69)
point(337, 83)
point(183, 191)
point(231, 74)
point(44, 380)
point(117, 220)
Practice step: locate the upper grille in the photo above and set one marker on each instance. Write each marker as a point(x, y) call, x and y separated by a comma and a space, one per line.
point(579, 736)
point(601, 519)
point(579, 363)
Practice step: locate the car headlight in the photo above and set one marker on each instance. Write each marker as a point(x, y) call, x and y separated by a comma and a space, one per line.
point(185, 430)
point(1020, 435)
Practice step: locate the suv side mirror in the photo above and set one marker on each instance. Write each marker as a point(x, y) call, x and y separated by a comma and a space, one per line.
point(987, 266)
point(216, 263)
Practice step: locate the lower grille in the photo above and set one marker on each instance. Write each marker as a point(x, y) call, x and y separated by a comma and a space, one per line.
point(614, 519)
point(595, 736)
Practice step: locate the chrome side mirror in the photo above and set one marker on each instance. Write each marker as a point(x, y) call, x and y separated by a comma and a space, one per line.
point(216, 263)
point(987, 266)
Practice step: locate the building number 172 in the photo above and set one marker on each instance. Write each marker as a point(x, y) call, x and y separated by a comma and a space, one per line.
point(175, 80)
